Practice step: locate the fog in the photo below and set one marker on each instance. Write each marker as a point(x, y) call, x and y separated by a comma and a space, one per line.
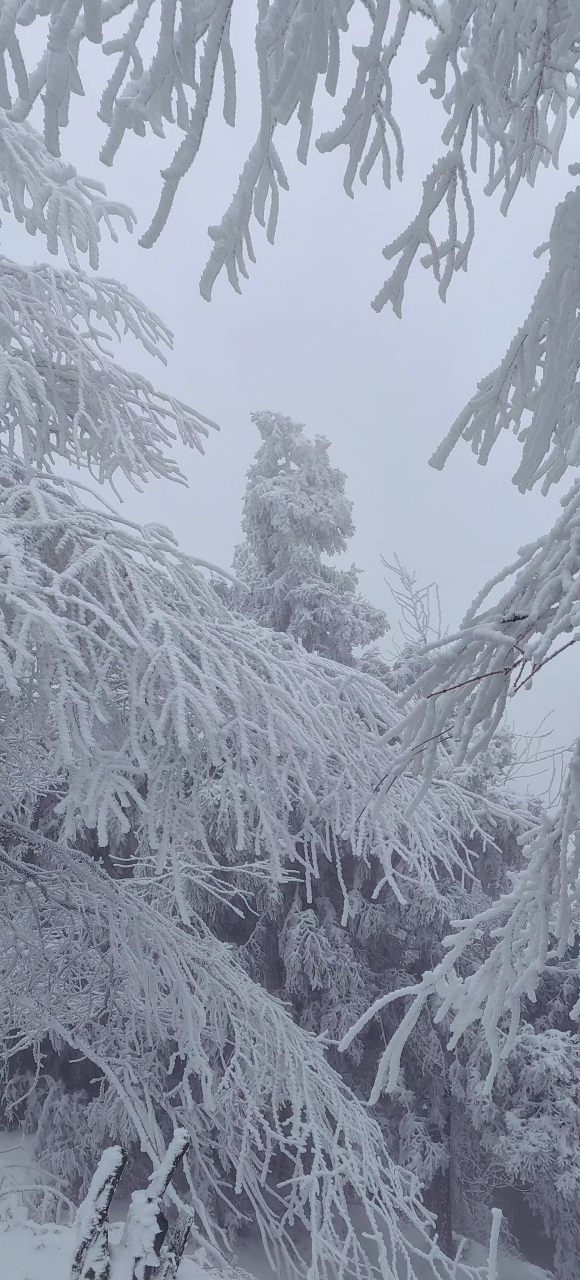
point(303, 339)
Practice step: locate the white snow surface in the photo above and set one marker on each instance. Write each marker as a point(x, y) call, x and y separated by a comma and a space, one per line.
point(32, 1252)
point(29, 1251)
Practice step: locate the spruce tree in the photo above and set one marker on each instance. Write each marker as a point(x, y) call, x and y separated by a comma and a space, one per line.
point(295, 513)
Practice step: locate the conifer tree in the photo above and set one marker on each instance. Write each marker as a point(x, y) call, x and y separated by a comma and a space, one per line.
point(328, 963)
point(505, 77)
point(141, 720)
point(147, 719)
point(295, 513)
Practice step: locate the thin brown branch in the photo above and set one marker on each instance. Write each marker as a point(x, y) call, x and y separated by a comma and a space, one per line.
point(502, 671)
point(445, 733)
point(520, 683)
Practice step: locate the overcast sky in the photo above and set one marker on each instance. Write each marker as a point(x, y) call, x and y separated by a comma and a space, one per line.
point(303, 339)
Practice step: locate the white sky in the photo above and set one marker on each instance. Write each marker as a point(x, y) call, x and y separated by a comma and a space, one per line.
point(303, 339)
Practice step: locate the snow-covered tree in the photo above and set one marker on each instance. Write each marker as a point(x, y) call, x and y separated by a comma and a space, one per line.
point(328, 963)
point(295, 512)
point(528, 1127)
point(142, 711)
point(511, 1088)
point(140, 692)
point(133, 697)
point(466, 681)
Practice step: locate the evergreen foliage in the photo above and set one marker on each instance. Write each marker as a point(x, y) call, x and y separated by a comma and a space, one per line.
point(218, 843)
point(295, 512)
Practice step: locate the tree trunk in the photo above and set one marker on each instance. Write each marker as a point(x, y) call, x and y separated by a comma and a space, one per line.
point(438, 1200)
point(439, 1196)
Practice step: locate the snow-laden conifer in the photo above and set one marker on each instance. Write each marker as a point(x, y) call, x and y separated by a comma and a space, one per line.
point(149, 692)
point(295, 512)
point(146, 714)
point(141, 997)
point(450, 712)
point(334, 963)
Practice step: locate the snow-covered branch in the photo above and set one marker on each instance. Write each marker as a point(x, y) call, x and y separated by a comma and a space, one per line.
point(168, 714)
point(535, 389)
point(94, 964)
point(528, 928)
point(61, 394)
point(469, 677)
point(506, 73)
point(461, 692)
point(48, 195)
point(447, 180)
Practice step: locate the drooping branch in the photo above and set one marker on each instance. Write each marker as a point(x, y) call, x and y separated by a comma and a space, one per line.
point(61, 395)
point(166, 714)
point(505, 71)
point(535, 390)
point(461, 691)
point(134, 993)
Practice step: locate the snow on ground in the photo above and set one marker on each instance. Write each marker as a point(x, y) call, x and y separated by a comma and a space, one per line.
point(33, 1251)
point(508, 1268)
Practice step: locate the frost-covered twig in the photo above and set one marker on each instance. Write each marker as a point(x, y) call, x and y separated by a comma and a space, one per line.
point(505, 71)
point(535, 390)
point(415, 604)
point(146, 1000)
point(167, 715)
point(48, 195)
point(60, 393)
point(468, 677)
